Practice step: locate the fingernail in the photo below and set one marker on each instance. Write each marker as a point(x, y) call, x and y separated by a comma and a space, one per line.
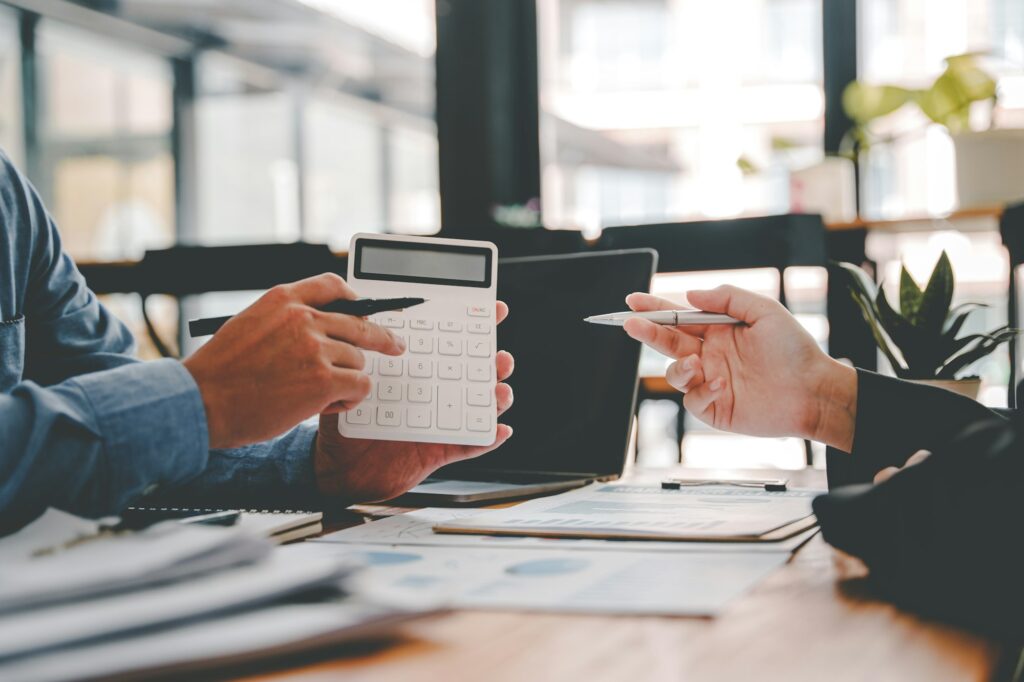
point(400, 342)
point(689, 362)
point(717, 385)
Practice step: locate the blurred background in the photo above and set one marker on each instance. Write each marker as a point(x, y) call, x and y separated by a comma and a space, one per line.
point(151, 124)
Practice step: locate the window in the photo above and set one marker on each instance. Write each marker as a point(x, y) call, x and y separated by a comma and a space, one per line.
point(248, 175)
point(654, 109)
point(105, 120)
point(10, 87)
point(904, 43)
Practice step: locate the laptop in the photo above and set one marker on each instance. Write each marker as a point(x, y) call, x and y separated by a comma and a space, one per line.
point(575, 384)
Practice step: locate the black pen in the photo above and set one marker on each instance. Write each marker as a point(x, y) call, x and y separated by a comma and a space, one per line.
point(360, 307)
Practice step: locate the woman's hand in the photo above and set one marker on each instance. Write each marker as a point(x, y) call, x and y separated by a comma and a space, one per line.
point(766, 377)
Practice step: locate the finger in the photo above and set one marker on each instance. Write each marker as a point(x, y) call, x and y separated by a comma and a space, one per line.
point(685, 374)
point(360, 332)
point(503, 397)
point(460, 453)
point(885, 474)
point(700, 399)
point(641, 302)
point(500, 312)
point(348, 387)
point(344, 355)
point(917, 458)
point(739, 303)
point(666, 340)
point(321, 289)
point(506, 364)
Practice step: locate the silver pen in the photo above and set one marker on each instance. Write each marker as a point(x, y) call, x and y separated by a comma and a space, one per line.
point(672, 318)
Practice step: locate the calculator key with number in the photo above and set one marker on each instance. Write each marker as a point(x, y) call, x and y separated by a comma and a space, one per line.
point(441, 390)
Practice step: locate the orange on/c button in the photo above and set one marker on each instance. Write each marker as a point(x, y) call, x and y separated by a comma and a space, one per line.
point(479, 311)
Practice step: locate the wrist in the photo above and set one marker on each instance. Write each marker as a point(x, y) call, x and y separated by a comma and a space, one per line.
point(207, 394)
point(833, 405)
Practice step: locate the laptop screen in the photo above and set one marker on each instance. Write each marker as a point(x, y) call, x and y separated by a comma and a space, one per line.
point(575, 383)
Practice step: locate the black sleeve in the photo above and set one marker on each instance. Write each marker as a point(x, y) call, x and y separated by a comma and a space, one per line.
point(897, 418)
point(944, 537)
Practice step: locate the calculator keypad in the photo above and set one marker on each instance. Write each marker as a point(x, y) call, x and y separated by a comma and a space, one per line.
point(443, 383)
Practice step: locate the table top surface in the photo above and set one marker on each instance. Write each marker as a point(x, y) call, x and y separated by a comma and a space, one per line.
point(813, 619)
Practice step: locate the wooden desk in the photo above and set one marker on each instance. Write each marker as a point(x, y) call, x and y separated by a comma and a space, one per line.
point(812, 620)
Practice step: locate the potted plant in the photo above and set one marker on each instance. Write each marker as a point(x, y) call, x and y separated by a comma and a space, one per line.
point(921, 341)
point(990, 162)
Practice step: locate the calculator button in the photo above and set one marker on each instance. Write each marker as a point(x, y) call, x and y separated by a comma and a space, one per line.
point(391, 321)
point(389, 390)
point(421, 324)
point(479, 311)
point(388, 415)
point(478, 420)
point(479, 371)
point(450, 326)
point(449, 407)
point(418, 417)
point(358, 415)
point(421, 368)
point(447, 369)
point(449, 346)
point(390, 367)
point(479, 349)
point(421, 343)
point(479, 328)
point(420, 392)
point(478, 396)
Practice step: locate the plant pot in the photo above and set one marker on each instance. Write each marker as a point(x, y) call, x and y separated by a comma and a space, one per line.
point(989, 167)
point(966, 387)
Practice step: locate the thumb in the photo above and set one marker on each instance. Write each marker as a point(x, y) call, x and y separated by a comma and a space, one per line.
point(741, 304)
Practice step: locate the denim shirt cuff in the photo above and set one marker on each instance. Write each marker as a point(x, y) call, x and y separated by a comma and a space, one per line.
point(152, 422)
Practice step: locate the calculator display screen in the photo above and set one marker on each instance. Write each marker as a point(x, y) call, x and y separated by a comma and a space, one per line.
point(424, 263)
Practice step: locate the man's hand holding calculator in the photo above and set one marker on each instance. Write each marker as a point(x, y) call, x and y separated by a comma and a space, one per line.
point(439, 402)
point(369, 470)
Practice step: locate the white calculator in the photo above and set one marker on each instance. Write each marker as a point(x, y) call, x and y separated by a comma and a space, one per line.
point(442, 389)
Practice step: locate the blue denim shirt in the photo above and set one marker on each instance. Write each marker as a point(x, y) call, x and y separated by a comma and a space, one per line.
point(86, 427)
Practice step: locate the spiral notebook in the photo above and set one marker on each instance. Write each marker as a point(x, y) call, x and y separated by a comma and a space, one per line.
point(278, 525)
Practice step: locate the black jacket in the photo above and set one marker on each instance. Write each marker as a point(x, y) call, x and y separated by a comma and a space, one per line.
point(944, 537)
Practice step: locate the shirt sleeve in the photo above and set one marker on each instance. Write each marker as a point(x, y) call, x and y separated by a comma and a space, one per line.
point(275, 474)
point(68, 331)
point(895, 419)
point(94, 443)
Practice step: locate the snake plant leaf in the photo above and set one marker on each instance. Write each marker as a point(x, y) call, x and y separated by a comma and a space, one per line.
point(937, 297)
point(969, 357)
point(864, 103)
point(920, 352)
point(869, 312)
point(957, 316)
point(910, 296)
point(857, 279)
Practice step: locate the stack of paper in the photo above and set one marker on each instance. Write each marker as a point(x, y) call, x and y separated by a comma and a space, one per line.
point(567, 552)
point(72, 596)
point(639, 512)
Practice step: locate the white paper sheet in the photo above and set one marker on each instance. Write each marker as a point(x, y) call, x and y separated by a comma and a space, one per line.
point(417, 528)
point(245, 586)
point(167, 551)
point(273, 631)
point(642, 511)
point(52, 529)
point(638, 583)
